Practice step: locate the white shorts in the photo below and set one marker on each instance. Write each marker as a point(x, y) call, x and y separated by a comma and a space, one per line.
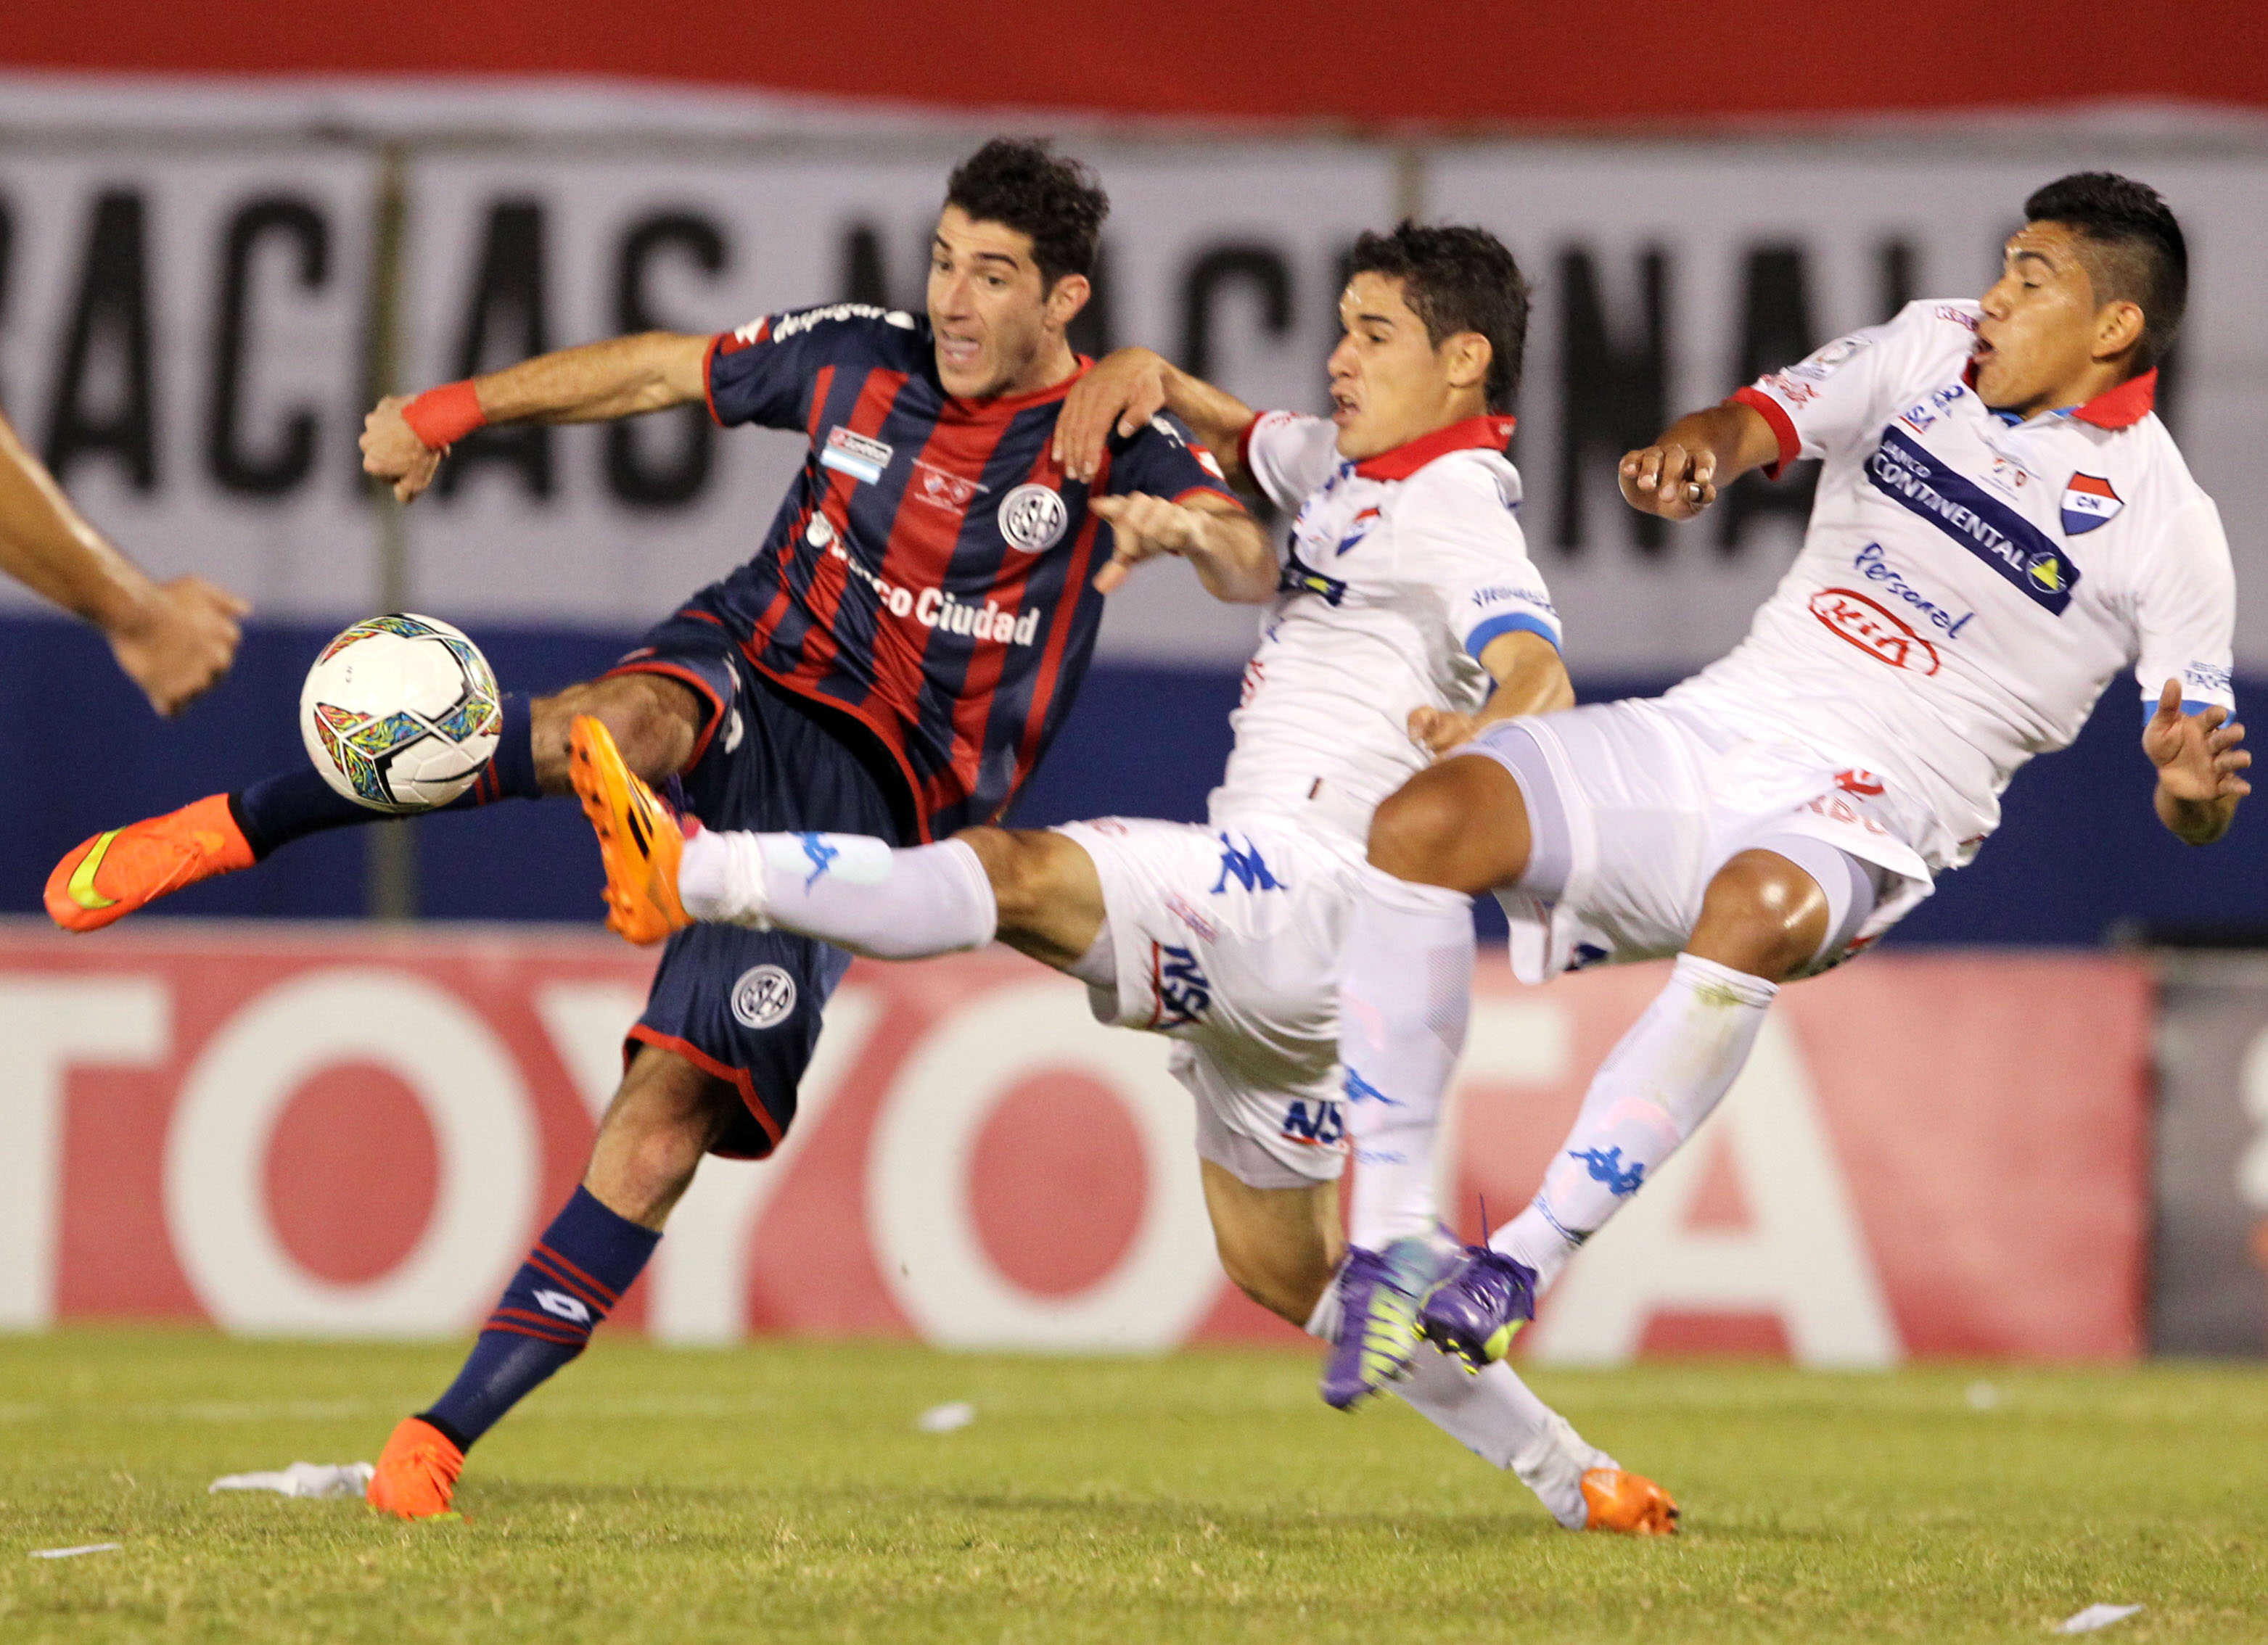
point(1226, 939)
point(1634, 806)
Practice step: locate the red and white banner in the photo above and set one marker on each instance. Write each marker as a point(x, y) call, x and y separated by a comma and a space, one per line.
point(349, 1133)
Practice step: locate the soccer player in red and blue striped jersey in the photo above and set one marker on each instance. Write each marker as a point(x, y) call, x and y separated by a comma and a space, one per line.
point(893, 661)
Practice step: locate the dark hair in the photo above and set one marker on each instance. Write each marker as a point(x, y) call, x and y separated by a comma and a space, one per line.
point(1456, 278)
point(2133, 249)
point(1057, 201)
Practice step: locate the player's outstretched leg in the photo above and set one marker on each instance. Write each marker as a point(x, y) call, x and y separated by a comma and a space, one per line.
point(1498, 1418)
point(1280, 1246)
point(660, 1123)
point(855, 891)
point(121, 869)
point(1763, 918)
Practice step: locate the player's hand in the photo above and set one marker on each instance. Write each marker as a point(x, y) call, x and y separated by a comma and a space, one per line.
point(1143, 527)
point(2198, 755)
point(1670, 479)
point(391, 451)
point(1438, 731)
point(179, 642)
point(1122, 390)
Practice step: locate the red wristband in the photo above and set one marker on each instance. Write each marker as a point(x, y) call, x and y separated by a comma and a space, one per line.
point(444, 415)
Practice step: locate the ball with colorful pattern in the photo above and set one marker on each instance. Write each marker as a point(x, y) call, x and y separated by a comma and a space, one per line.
point(400, 713)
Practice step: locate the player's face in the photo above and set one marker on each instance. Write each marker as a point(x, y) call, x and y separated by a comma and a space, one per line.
point(1389, 383)
point(2037, 341)
point(996, 323)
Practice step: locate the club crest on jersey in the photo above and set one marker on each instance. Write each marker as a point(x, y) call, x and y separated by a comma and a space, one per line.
point(2088, 502)
point(855, 455)
point(1034, 516)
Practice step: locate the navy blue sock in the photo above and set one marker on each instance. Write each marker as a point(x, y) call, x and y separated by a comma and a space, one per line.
point(294, 804)
point(572, 1280)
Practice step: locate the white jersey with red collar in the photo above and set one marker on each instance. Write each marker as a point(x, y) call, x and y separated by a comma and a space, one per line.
point(1966, 587)
point(1400, 570)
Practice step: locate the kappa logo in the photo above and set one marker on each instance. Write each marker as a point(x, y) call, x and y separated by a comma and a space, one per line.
point(1606, 1166)
point(1184, 993)
point(1034, 516)
point(763, 997)
point(2088, 502)
point(1247, 868)
point(822, 855)
point(1360, 1089)
point(574, 1310)
point(1322, 1126)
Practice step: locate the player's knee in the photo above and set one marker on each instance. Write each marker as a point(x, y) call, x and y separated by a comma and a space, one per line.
point(655, 722)
point(1762, 914)
point(1447, 827)
point(1027, 868)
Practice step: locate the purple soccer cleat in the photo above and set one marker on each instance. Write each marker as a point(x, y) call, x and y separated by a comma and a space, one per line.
point(1475, 1311)
point(1378, 1316)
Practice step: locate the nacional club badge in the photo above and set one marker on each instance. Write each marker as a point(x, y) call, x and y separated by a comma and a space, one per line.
point(2088, 503)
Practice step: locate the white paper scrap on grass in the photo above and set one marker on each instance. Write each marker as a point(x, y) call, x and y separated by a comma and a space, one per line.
point(72, 1553)
point(302, 1479)
point(2094, 1617)
point(944, 1419)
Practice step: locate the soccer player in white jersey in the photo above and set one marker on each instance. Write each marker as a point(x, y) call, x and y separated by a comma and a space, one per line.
point(1406, 594)
point(2002, 526)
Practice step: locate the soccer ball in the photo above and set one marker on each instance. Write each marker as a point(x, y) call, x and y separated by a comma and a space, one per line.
point(400, 713)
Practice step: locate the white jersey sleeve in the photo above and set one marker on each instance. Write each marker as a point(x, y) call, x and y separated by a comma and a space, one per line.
point(2185, 611)
point(1290, 456)
point(1842, 395)
point(1459, 532)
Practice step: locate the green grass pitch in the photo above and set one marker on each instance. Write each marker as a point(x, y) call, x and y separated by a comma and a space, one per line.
point(784, 1493)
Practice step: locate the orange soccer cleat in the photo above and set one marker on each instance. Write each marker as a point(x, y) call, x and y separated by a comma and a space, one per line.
point(1628, 1502)
point(416, 1472)
point(639, 839)
point(120, 870)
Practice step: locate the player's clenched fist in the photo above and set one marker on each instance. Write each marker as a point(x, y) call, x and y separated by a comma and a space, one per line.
point(1438, 731)
point(391, 451)
point(178, 642)
point(1144, 527)
point(1670, 479)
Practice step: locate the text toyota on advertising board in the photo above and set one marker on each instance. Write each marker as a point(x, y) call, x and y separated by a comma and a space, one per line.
point(342, 1135)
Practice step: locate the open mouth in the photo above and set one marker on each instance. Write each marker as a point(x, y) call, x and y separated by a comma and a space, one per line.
point(1343, 408)
point(957, 350)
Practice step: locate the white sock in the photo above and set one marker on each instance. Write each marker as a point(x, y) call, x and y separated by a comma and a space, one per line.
point(1404, 997)
point(1660, 1082)
point(851, 890)
point(1498, 1418)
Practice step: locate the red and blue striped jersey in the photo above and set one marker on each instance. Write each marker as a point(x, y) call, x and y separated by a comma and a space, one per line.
point(931, 571)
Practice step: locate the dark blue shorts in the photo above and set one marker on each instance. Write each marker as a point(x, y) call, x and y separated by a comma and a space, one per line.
point(746, 1005)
